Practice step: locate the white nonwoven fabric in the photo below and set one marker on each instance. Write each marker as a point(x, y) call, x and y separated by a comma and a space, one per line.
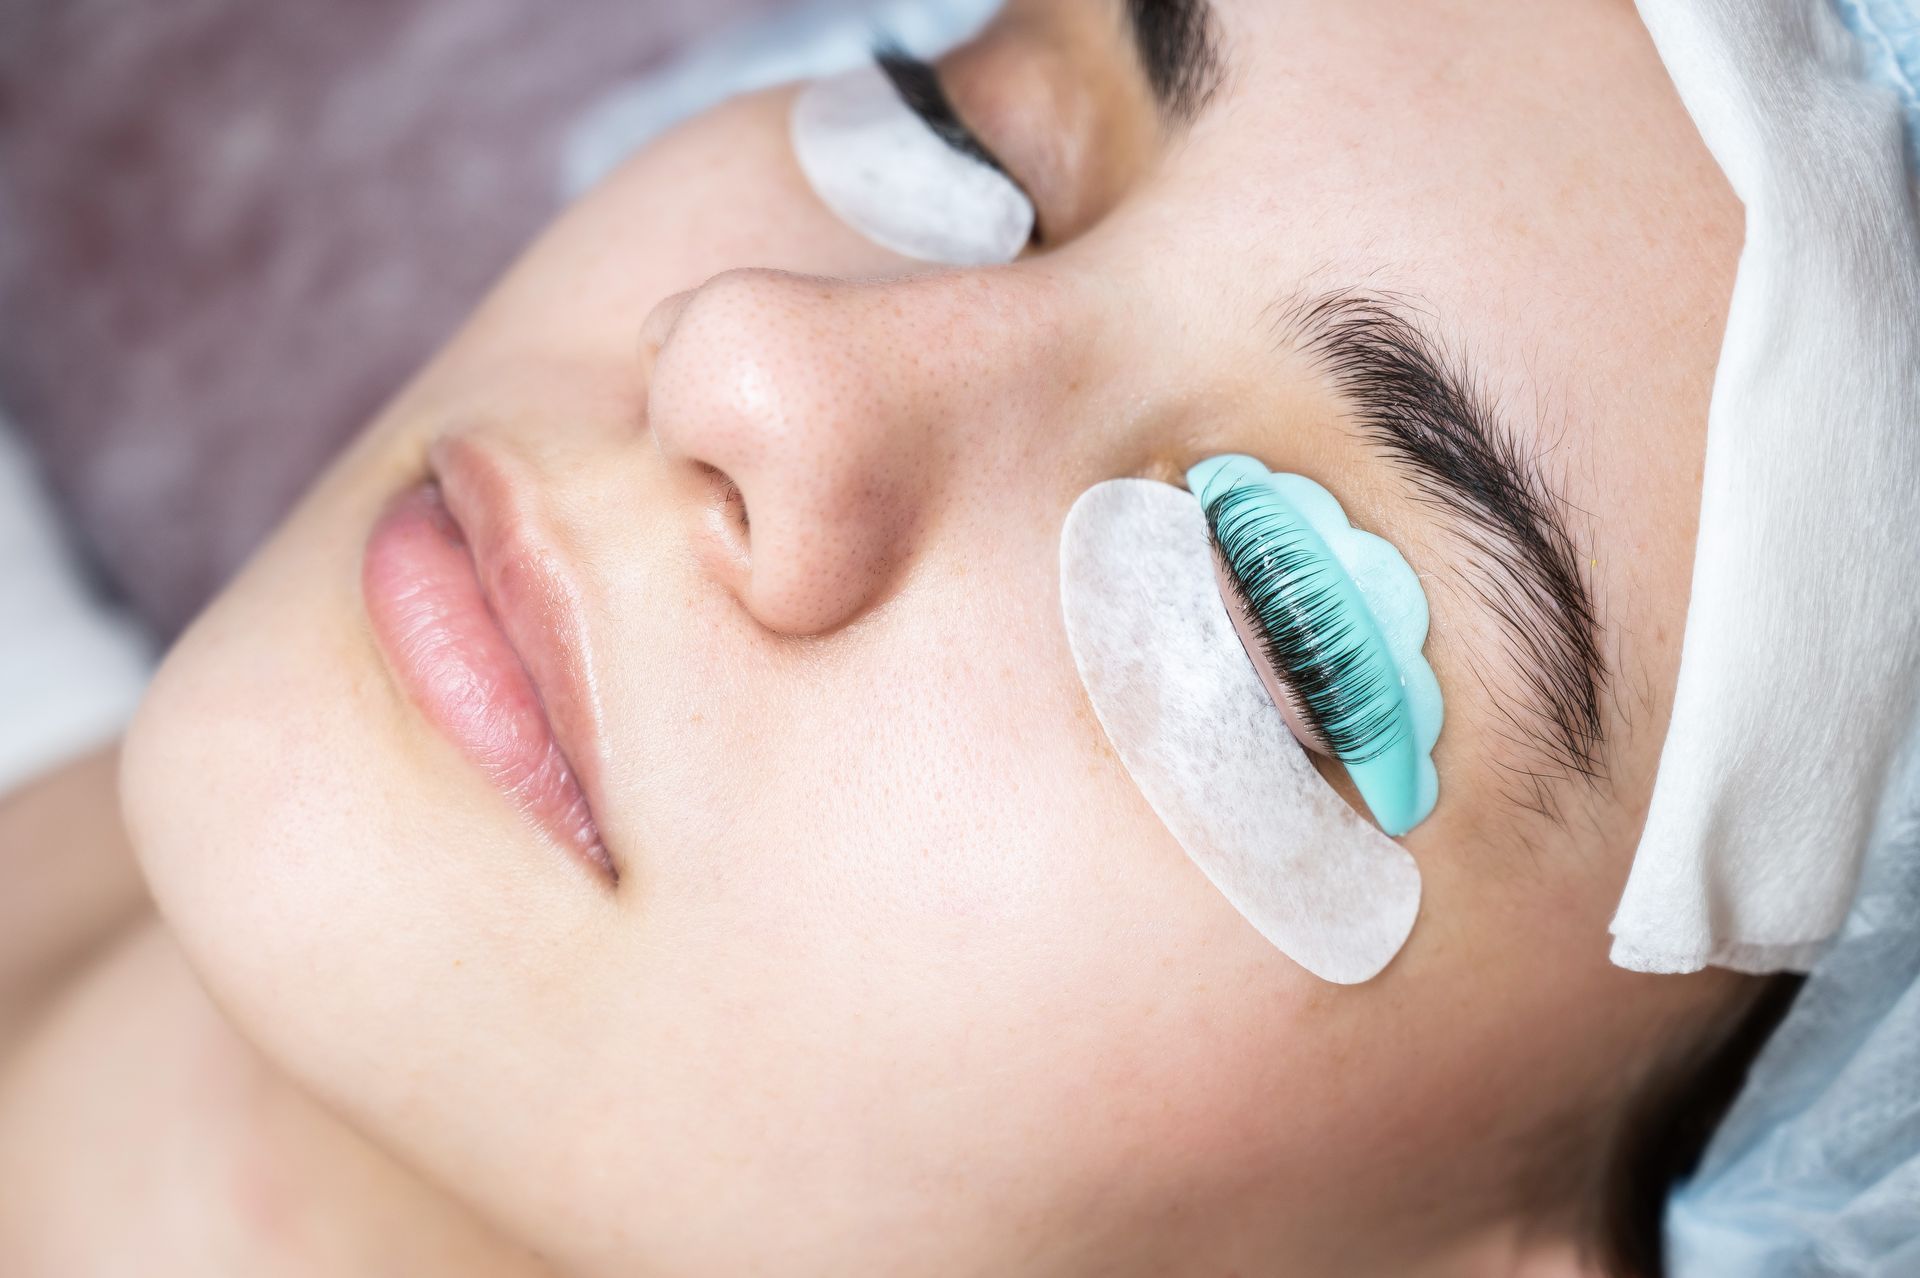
point(1800, 672)
point(1184, 708)
point(879, 167)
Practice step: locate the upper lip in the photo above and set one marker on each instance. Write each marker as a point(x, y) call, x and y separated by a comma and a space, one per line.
point(532, 591)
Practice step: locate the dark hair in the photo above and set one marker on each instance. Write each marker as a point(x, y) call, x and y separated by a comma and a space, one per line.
point(1667, 1129)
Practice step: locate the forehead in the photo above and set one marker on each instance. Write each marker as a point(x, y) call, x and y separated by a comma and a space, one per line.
point(1525, 170)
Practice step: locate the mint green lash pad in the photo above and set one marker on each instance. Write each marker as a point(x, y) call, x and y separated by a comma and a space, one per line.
point(1382, 600)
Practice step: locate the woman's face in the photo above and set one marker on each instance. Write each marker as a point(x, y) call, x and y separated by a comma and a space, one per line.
point(899, 971)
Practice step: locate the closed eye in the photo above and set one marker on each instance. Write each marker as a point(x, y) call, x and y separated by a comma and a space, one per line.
point(917, 81)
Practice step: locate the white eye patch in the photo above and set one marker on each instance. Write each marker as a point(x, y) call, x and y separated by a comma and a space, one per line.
point(1184, 708)
point(890, 177)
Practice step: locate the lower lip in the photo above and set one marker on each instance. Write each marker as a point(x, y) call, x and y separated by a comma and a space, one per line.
point(432, 621)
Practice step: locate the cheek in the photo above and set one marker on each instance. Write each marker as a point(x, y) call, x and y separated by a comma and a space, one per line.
point(947, 923)
point(916, 944)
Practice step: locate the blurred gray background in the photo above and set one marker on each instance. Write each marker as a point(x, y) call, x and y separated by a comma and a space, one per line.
point(230, 228)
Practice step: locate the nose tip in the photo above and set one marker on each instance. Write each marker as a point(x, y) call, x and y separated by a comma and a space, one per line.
point(783, 389)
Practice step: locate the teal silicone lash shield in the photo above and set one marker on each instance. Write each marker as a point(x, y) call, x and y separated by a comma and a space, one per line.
point(1344, 605)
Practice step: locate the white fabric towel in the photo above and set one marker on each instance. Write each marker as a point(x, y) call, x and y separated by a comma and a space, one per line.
point(1800, 673)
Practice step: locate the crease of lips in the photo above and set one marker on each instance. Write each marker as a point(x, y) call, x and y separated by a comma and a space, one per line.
point(424, 588)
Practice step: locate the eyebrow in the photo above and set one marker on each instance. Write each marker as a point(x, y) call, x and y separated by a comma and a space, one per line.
point(1429, 416)
point(1179, 47)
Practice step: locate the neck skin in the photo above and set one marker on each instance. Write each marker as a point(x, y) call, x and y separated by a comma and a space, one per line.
point(72, 885)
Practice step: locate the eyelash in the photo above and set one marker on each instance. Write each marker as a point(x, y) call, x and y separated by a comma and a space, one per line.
point(1326, 669)
point(917, 81)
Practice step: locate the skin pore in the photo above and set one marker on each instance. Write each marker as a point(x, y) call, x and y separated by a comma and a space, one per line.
point(900, 973)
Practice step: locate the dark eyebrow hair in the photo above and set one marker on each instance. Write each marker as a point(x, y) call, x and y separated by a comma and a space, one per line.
point(1429, 416)
point(1179, 47)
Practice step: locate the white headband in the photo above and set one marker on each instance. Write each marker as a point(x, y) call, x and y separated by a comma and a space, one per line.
point(1800, 674)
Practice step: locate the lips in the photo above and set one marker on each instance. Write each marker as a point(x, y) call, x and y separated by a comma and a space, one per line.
point(479, 622)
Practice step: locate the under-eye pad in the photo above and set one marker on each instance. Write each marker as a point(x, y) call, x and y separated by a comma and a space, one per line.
point(1347, 603)
point(883, 170)
point(1197, 731)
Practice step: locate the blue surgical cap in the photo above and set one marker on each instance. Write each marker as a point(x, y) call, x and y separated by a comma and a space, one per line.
point(1815, 1172)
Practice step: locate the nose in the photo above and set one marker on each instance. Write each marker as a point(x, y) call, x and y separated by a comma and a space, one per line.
point(819, 426)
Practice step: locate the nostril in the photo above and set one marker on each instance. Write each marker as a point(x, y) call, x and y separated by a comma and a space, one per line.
point(736, 505)
point(727, 508)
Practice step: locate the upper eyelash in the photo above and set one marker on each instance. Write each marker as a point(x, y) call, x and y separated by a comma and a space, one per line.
point(917, 81)
point(1331, 675)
